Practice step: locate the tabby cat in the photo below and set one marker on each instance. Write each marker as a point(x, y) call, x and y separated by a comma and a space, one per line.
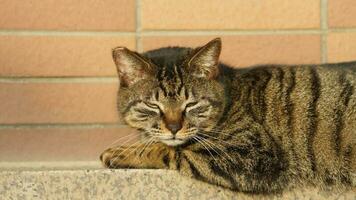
point(259, 129)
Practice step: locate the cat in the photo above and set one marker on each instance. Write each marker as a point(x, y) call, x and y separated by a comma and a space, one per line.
point(258, 130)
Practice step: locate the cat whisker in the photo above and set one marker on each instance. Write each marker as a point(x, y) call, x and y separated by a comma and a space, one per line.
point(150, 141)
point(198, 139)
point(146, 144)
point(130, 136)
point(125, 150)
point(221, 132)
point(219, 147)
point(155, 130)
point(124, 143)
point(225, 129)
point(212, 145)
point(154, 134)
point(216, 138)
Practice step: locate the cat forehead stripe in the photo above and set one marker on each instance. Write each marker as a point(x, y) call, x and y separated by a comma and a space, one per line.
point(171, 80)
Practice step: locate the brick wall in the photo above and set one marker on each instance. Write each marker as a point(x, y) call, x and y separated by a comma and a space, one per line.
point(58, 83)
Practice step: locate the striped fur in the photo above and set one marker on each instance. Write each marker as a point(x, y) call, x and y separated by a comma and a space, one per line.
point(258, 129)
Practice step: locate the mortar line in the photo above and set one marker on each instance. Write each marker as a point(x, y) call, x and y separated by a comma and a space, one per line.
point(58, 79)
point(141, 33)
point(242, 32)
point(229, 32)
point(138, 26)
point(324, 30)
point(64, 33)
point(49, 165)
point(349, 30)
point(62, 126)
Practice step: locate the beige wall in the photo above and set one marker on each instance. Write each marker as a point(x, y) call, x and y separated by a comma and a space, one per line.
point(58, 82)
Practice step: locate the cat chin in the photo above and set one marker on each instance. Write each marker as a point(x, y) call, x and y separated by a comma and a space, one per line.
point(173, 142)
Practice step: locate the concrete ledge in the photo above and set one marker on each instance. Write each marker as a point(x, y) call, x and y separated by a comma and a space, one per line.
point(126, 184)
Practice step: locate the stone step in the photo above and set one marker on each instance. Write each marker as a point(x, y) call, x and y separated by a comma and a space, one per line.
point(102, 184)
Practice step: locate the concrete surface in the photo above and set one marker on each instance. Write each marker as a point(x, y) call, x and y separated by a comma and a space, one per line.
point(126, 184)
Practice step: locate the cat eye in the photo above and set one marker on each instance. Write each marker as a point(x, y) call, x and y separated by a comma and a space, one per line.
point(188, 106)
point(151, 105)
point(141, 115)
point(191, 104)
point(145, 112)
point(199, 111)
point(155, 107)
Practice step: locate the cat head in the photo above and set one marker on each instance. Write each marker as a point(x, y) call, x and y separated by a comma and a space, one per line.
point(170, 94)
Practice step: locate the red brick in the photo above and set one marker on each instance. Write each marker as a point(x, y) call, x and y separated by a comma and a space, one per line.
point(341, 47)
point(342, 13)
point(237, 14)
point(23, 103)
point(68, 15)
point(253, 49)
point(61, 144)
point(60, 55)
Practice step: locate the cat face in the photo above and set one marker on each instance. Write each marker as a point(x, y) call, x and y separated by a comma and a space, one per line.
point(172, 94)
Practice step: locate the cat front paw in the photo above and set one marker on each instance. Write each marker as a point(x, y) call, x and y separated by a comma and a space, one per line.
point(106, 157)
point(115, 158)
point(110, 158)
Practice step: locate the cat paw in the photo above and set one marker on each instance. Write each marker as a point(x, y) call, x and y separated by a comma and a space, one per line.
point(105, 157)
point(113, 158)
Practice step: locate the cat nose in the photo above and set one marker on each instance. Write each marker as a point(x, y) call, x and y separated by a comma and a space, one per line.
point(174, 127)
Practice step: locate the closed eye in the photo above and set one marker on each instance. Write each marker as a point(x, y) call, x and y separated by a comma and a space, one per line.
point(199, 109)
point(191, 104)
point(145, 112)
point(152, 105)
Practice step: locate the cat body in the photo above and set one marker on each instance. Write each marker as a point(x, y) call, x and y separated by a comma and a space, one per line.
point(257, 129)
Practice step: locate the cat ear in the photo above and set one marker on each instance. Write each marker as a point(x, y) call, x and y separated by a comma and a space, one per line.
point(131, 66)
point(204, 62)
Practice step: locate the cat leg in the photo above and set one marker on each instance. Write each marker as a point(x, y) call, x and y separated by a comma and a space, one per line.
point(257, 173)
point(155, 155)
point(205, 168)
point(160, 156)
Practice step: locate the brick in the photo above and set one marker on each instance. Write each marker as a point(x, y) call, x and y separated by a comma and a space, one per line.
point(70, 102)
point(252, 49)
point(61, 144)
point(341, 47)
point(59, 55)
point(342, 13)
point(68, 15)
point(237, 14)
